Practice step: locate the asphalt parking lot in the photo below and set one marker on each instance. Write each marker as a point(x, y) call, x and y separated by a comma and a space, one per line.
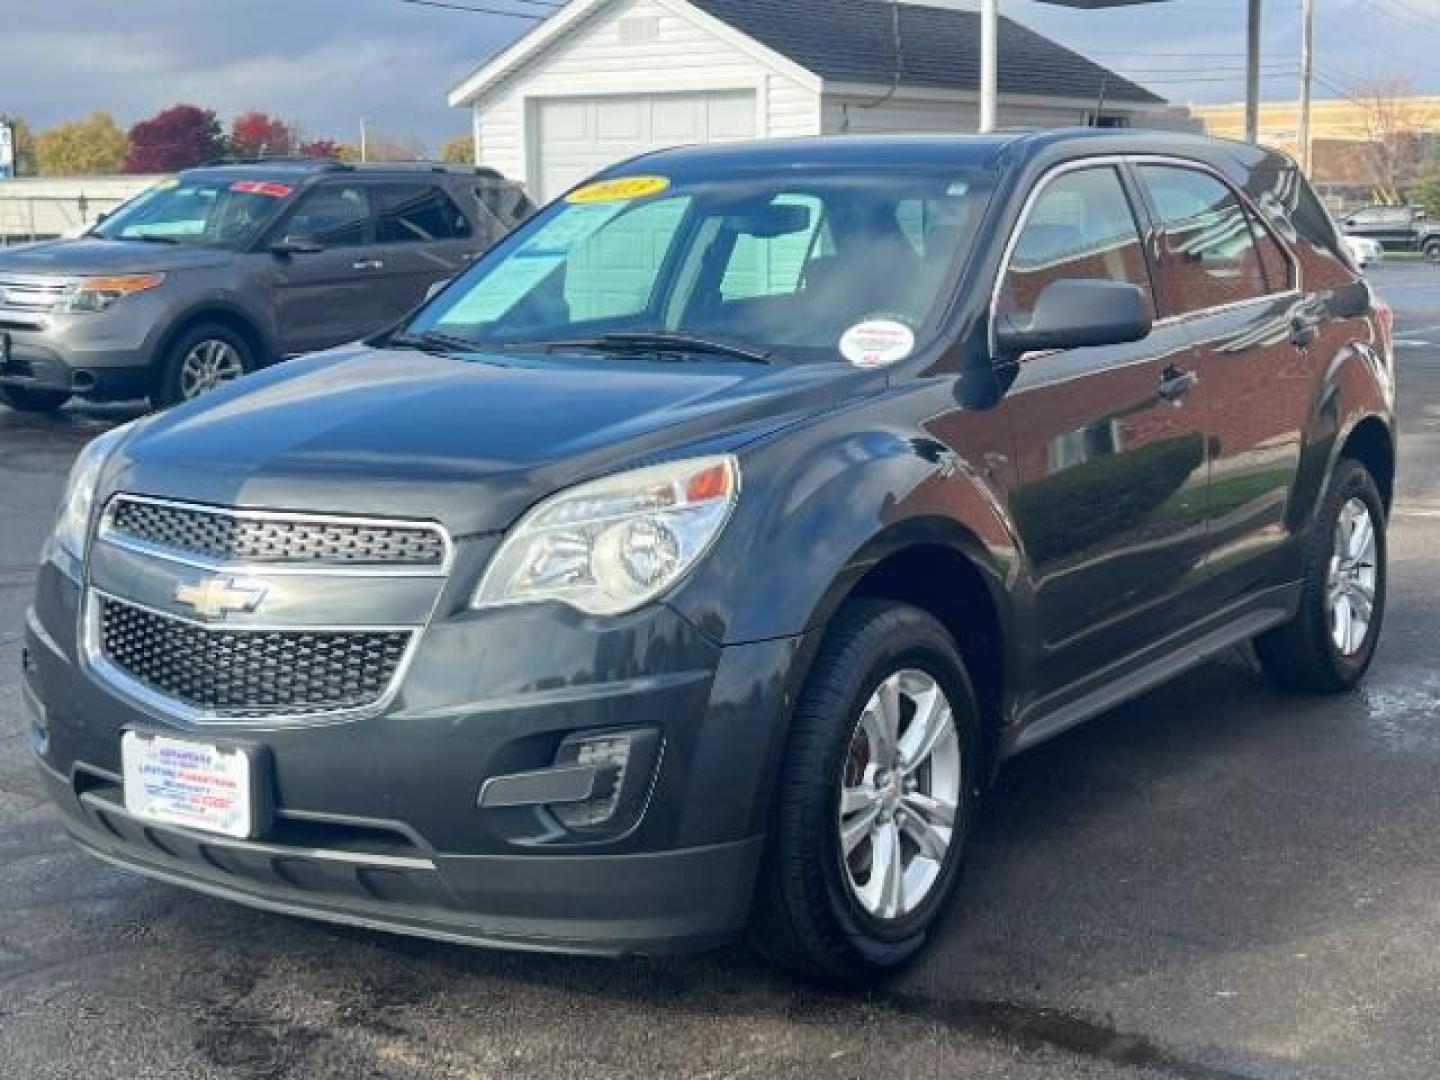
point(1212, 882)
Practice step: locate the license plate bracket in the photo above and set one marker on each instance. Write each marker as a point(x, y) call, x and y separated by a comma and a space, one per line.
point(210, 785)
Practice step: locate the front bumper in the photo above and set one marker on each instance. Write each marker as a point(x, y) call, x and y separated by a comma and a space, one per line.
point(107, 355)
point(377, 821)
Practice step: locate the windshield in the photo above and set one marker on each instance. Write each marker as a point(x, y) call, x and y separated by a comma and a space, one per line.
point(787, 263)
point(209, 212)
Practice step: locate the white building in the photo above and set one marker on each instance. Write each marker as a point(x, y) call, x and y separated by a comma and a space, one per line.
point(602, 80)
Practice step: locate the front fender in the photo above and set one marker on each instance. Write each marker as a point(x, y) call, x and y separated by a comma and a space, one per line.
point(818, 508)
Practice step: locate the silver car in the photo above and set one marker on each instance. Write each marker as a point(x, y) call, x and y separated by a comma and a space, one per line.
point(217, 271)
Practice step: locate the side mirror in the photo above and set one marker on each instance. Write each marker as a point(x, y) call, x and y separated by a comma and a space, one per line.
point(296, 245)
point(1074, 313)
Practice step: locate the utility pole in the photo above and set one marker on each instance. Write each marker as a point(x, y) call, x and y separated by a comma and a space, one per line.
point(364, 148)
point(990, 63)
point(1307, 78)
point(1252, 76)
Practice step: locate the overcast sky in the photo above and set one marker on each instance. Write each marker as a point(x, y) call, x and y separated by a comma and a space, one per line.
point(326, 63)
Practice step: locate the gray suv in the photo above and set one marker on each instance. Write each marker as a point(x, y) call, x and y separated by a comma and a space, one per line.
point(217, 271)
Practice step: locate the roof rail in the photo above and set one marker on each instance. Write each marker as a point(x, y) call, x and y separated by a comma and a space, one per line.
point(277, 159)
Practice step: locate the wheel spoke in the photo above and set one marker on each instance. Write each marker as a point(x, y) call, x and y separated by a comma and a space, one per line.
point(1360, 604)
point(856, 828)
point(887, 697)
point(855, 799)
point(934, 811)
point(932, 840)
point(1362, 537)
point(931, 725)
point(889, 869)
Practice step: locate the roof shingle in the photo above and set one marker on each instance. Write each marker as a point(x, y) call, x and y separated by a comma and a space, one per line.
point(853, 41)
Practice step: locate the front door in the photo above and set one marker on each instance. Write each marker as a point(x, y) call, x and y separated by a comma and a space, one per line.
point(322, 298)
point(1110, 444)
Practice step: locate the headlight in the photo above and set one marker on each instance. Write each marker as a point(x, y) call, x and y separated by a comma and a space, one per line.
point(613, 545)
point(72, 527)
point(98, 293)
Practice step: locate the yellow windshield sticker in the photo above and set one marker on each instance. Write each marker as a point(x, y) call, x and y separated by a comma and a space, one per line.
point(621, 189)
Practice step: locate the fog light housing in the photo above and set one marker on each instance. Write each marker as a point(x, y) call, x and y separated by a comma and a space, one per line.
point(623, 762)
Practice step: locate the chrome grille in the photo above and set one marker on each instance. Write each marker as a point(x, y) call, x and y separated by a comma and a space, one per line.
point(249, 673)
point(26, 299)
point(237, 536)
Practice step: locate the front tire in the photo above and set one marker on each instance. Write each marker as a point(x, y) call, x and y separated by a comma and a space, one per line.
point(1329, 645)
point(23, 399)
point(875, 800)
point(1431, 251)
point(203, 358)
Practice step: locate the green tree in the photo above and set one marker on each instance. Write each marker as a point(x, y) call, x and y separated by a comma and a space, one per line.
point(458, 151)
point(1426, 191)
point(24, 143)
point(87, 147)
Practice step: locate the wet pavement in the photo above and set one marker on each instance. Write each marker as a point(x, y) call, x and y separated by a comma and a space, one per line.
point(1212, 882)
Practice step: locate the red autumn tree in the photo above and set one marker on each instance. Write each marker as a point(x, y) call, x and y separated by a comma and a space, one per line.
point(322, 148)
point(255, 134)
point(178, 138)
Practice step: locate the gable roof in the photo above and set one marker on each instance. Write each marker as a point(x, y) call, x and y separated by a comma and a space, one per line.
point(853, 41)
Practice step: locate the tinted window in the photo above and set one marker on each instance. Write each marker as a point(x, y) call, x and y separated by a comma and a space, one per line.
point(336, 215)
point(1211, 257)
point(1279, 273)
point(1081, 226)
point(411, 213)
point(185, 210)
point(506, 203)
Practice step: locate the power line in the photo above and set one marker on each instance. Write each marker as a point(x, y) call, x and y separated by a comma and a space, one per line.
point(447, 6)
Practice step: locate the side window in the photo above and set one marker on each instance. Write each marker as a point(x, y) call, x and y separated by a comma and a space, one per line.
point(1279, 271)
point(1081, 226)
point(769, 258)
point(612, 272)
point(337, 215)
point(505, 203)
point(417, 213)
point(1211, 257)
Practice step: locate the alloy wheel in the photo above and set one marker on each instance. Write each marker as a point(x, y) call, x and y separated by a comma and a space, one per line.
point(209, 364)
point(900, 795)
point(1354, 577)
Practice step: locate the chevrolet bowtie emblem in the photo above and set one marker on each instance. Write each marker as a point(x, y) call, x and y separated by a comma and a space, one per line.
point(219, 596)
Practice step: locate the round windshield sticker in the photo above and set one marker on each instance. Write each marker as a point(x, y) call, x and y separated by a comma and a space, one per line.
point(877, 343)
point(621, 189)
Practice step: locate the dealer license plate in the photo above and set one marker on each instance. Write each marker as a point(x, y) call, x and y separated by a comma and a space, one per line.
point(194, 784)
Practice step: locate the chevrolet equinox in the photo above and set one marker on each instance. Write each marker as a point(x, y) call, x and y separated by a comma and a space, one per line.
point(690, 563)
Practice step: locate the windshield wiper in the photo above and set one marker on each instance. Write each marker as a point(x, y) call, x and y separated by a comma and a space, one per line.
point(151, 239)
point(655, 341)
point(433, 342)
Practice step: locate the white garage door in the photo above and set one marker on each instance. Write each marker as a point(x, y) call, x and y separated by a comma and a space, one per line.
point(576, 137)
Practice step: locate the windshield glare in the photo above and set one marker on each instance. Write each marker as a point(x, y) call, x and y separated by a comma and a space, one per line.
point(210, 213)
point(785, 263)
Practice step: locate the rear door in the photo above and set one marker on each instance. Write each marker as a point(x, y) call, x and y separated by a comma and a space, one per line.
point(1233, 286)
point(1110, 443)
point(326, 297)
point(422, 237)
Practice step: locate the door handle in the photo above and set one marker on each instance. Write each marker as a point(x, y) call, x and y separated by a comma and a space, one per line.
point(1176, 383)
point(367, 264)
point(1302, 333)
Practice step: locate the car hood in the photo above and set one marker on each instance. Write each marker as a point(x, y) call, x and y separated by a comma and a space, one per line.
point(90, 256)
point(471, 442)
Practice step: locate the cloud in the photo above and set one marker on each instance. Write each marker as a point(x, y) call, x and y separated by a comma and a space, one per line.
point(326, 63)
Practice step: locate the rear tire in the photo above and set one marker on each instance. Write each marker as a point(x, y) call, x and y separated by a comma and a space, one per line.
point(203, 358)
point(1431, 251)
point(1306, 655)
point(825, 907)
point(23, 399)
